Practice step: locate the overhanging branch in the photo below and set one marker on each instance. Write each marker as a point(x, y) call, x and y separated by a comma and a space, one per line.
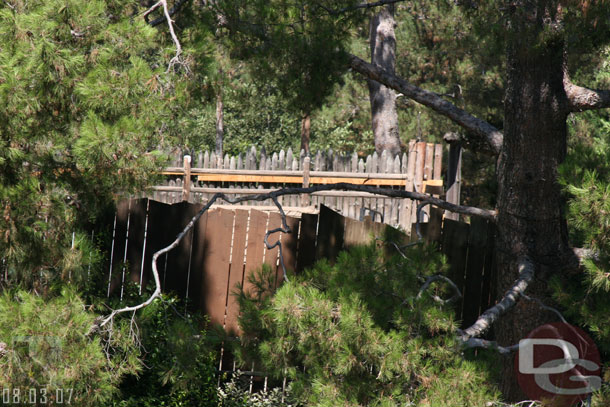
point(526, 275)
point(491, 136)
point(581, 98)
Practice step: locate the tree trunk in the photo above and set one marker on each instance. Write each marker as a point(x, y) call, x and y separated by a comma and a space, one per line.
point(220, 125)
point(383, 99)
point(305, 132)
point(530, 220)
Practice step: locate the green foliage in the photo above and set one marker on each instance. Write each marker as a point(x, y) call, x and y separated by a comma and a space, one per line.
point(48, 348)
point(83, 97)
point(356, 333)
point(178, 363)
point(297, 44)
point(235, 393)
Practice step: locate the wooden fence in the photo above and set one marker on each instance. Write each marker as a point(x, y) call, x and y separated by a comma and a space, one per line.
point(419, 169)
point(224, 246)
point(227, 244)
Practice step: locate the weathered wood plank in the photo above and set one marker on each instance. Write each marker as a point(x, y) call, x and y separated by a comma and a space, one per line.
point(454, 246)
point(255, 248)
point(477, 242)
point(236, 273)
point(218, 238)
point(307, 241)
point(330, 234)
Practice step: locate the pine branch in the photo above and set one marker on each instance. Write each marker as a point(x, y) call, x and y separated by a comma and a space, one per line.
point(490, 136)
point(526, 275)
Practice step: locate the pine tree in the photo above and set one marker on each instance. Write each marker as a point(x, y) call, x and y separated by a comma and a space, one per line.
point(83, 96)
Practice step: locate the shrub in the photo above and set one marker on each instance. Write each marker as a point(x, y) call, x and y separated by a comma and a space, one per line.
point(357, 333)
point(178, 362)
point(48, 352)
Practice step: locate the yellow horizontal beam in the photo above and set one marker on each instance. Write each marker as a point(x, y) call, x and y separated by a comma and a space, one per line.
point(280, 179)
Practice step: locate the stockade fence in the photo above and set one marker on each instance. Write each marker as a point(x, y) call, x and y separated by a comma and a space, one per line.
point(198, 177)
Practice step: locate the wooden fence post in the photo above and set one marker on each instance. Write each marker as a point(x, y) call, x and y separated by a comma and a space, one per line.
point(186, 181)
point(305, 199)
point(454, 178)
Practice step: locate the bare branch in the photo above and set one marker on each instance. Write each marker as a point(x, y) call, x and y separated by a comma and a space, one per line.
point(526, 275)
point(490, 135)
point(170, 23)
point(439, 277)
point(177, 6)
point(493, 345)
point(581, 98)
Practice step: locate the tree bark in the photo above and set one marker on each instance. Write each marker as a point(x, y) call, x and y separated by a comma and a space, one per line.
point(220, 125)
point(383, 99)
point(305, 132)
point(479, 132)
point(530, 220)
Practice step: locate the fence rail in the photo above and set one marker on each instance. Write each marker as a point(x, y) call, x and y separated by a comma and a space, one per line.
point(197, 178)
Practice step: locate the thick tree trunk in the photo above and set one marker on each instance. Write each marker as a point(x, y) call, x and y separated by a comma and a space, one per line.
point(383, 99)
point(305, 132)
point(530, 220)
point(220, 125)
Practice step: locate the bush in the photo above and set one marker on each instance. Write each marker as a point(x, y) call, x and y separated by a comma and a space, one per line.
point(178, 362)
point(356, 333)
point(47, 352)
point(235, 393)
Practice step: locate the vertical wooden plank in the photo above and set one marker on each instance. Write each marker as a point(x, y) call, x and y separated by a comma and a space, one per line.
point(118, 250)
point(429, 161)
point(218, 238)
point(419, 176)
point(330, 234)
point(255, 247)
point(487, 288)
point(174, 218)
point(407, 209)
point(475, 265)
point(307, 241)
point(289, 248)
point(434, 230)
point(454, 246)
point(356, 233)
point(438, 161)
point(454, 178)
point(271, 255)
point(236, 274)
point(135, 246)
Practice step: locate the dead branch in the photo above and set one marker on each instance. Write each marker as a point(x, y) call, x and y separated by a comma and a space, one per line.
point(581, 98)
point(440, 277)
point(493, 345)
point(491, 136)
point(526, 275)
point(177, 6)
point(170, 23)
